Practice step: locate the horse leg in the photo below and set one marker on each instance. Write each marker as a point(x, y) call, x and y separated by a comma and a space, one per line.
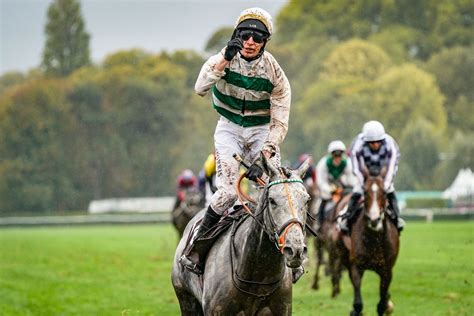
point(336, 270)
point(385, 279)
point(188, 304)
point(356, 278)
point(317, 248)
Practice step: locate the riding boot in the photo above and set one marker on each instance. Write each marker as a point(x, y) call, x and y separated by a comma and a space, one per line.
point(192, 256)
point(349, 216)
point(395, 211)
point(321, 210)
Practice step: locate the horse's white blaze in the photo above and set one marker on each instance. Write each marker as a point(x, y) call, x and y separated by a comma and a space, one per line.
point(374, 187)
point(374, 211)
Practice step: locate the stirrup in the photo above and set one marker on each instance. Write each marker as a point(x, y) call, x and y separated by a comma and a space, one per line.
point(190, 266)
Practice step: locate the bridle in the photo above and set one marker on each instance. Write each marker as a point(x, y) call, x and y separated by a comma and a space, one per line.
point(276, 234)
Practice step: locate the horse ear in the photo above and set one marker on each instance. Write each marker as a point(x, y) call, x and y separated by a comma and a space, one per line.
point(303, 168)
point(269, 167)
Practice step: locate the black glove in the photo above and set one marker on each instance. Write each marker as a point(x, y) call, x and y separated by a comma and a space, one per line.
point(254, 172)
point(233, 47)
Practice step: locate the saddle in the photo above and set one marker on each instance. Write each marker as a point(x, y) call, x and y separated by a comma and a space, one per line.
point(203, 243)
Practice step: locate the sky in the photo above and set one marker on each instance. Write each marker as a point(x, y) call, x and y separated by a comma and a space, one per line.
point(152, 25)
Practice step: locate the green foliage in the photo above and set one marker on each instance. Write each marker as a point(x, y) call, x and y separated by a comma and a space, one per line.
point(67, 42)
point(357, 59)
point(458, 154)
point(453, 70)
point(399, 41)
point(404, 94)
point(435, 24)
point(419, 145)
point(427, 203)
point(11, 79)
point(219, 39)
point(34, 133)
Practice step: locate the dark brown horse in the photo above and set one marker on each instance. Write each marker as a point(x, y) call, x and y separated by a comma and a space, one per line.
point(191, 204)
point(374, 244)
point(329, 240)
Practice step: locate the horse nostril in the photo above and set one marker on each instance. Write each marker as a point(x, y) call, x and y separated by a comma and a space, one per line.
point(305, 251)
point(288, 252)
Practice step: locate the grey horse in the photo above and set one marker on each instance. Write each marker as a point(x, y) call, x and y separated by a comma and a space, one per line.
point(248, 269)
point(187, 209)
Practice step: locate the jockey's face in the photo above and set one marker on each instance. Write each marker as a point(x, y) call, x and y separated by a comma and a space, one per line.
point(375, 146)
point(336, 158)
point(251, 48)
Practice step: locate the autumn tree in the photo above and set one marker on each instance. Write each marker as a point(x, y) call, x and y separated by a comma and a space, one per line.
point(67, 42)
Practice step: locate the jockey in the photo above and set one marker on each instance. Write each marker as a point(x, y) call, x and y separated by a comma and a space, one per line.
point(252, 94)
point(185, 181)
point(373, 149)
point(210, 176)
point(333, 171)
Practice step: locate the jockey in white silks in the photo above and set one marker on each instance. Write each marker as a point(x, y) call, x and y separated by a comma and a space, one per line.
point(252, 94)
point(372, 150)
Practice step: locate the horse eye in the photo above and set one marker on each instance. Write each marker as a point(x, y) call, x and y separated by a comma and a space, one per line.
point(272, 202)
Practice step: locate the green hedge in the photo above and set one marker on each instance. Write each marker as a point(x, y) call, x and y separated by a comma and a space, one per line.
point(427, 203)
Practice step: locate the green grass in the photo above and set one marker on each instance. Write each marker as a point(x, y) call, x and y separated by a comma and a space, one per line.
point(125, 270)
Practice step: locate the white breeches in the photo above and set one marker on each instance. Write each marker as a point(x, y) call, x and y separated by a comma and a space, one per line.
point(230, 138)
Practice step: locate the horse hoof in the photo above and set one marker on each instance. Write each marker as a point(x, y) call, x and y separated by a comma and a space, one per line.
point(390, 308)
point(354, 313)
point(315, 286)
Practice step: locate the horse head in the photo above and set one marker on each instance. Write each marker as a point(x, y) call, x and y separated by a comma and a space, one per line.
point(285, 208)
point(374, 199)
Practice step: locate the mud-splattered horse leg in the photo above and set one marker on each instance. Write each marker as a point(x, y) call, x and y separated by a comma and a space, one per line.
point(356, 279)
point(319, 258)
point(385, 279)
point(189, 305)
point(335, 264)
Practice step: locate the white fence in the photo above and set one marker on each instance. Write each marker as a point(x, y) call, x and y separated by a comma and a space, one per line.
point(139, 205)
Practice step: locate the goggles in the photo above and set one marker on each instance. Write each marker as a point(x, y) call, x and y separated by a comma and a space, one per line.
point(337, 153)
point(258, 37)
point(375, 142)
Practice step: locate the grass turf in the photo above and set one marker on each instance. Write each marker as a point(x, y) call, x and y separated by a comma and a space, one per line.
point(125, 270)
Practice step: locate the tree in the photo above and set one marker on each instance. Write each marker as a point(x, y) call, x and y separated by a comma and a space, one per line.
point(404, 94)
point(67, 42)
point(11, 79)
point(356, 58)
point(453, 70)
point(35, 137)
point(218, 40)
point(419, 148)
point(459, 154)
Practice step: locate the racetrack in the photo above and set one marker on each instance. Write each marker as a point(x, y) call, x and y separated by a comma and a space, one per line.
point(125, 270)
